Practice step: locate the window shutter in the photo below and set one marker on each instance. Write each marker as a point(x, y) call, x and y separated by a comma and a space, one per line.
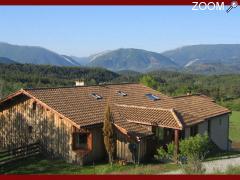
point(89, 142)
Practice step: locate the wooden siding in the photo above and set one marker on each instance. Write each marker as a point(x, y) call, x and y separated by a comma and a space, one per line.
point(124, 152)
point(53, 132)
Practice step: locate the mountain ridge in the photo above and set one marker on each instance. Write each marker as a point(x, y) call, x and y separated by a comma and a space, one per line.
point(32, 55)
point(201, 58)
point(132, 59)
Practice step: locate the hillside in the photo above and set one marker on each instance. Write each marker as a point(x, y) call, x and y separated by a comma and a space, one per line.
point(81, 60)
point(196, 59)
point(16, 76)
point(212, 68)
point(225, 54)
point(4, 60)
point(33, 55)
point(131, 59)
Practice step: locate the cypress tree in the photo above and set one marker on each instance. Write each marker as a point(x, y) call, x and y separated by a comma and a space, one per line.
point(108, 134)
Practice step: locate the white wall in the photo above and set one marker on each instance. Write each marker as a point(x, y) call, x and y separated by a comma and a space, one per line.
point(219, 131)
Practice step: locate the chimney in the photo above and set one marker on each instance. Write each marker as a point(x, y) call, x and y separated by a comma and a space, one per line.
point(79, 83)
point(189, 93)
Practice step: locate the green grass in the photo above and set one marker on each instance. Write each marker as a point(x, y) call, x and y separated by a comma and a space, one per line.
point(233, 170)
point(234, 127)
point(42, 165)
point(233, 104)
point(230, 170)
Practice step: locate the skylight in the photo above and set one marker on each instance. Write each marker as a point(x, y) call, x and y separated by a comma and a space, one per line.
point(122, 93)
point(96, 96)
point(152, 97)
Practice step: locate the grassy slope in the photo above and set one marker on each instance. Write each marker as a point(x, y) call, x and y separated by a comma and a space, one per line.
point(40, 165)
point(235, 126)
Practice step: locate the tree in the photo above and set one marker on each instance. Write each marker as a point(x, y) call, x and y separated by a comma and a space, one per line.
point(1, 89)
point(108, 134)
point(149, 81)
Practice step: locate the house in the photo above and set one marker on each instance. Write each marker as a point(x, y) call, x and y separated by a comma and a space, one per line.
point(68, 121)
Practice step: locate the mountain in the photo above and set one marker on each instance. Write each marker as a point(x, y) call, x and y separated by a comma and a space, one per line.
point(81, 60)
point(212, 68)
point(71, 60)
point(33, 55)
point(201, 59)
point(225, 54)
point(4, 60)
point(131, 59)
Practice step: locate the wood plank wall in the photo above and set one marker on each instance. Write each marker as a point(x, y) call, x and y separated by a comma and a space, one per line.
point(54, 133)
point(123, 152)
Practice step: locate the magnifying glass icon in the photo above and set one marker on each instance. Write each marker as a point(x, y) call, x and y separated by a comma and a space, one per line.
point(234, 4)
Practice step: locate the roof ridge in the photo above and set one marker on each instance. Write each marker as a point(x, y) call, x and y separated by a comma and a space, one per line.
point(176, 118)
point(59, 87)
point(143, 107)
point(195, 94)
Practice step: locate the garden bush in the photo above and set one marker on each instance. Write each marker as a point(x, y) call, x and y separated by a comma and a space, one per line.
point(196, 147)
point(165, 155)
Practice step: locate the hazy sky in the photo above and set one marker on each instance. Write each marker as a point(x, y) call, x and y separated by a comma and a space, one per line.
point(84, 30)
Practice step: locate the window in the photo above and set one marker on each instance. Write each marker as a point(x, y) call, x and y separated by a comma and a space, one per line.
point(96, 96)
point(160, 133)
point(80, 141)
point(182, 134)
point(34, 106)
point(194, 130)
point(152, 97)
point(120, 93)
point(30, 129)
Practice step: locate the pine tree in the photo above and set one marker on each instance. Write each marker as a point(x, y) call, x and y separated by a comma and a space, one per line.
point(108, 134)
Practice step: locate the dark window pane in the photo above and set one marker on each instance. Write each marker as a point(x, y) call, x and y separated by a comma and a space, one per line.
point(81, 140)
point(194, 130)
point(152, 97)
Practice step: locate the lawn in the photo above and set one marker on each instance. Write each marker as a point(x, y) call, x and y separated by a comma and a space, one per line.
point(42, 165)
point(234, 129)
point(230, 170)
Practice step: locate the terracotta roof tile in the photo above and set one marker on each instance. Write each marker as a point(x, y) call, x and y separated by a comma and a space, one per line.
point(149, 116)
point(78, 105)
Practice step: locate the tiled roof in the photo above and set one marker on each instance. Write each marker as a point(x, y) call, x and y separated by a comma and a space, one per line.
point(78, 105)
point(150, 116)
point(130, 128)
point(194, 109)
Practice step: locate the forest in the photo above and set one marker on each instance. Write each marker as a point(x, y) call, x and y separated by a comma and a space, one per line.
point(224, 89)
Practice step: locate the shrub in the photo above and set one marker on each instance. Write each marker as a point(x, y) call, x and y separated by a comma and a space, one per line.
point(195, 147)
point(193, 166)
point(165, 155)
point(161, 155)
point(192, 151)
